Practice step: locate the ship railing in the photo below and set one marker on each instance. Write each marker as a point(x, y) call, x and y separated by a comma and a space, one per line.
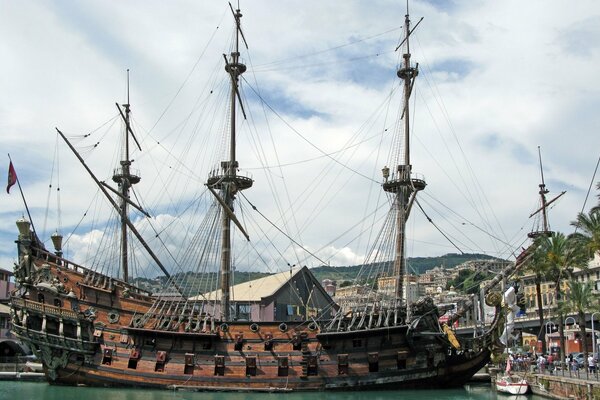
point(44, 308)
point(47, 256)
point(49, 339)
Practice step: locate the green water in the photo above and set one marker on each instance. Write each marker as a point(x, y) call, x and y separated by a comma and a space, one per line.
point(13, 390)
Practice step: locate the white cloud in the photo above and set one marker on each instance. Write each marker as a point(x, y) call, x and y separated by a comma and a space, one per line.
point(493, 86)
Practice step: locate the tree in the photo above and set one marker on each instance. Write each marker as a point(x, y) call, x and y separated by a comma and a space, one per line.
point(560, 254)
point(588, 226)
point(597, 207)
point(580, 300)
point(538, 266)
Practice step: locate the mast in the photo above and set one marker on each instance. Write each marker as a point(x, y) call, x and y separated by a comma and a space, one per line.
point(402, 186)
point(543, 205)
point(228, 182)
point(125, 180)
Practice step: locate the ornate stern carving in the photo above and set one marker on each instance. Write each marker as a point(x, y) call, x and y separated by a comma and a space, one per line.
point(53, 359)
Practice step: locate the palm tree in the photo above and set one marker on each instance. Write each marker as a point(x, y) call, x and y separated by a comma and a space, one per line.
point(596, 208)
point(560, 254)
point(588, 226)
point(538, 267)
point(580, 300)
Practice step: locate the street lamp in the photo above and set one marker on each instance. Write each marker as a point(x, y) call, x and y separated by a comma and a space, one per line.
point(573, 318)
point(550, 326)
point(593, 336)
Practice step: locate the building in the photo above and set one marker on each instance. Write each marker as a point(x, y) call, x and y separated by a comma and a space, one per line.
point(547, 289)
point(293, 295)
point(6, 286)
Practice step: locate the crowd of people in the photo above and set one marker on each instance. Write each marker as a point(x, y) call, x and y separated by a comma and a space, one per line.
point(547, 363)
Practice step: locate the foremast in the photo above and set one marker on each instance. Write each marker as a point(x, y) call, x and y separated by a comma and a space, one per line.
point(401, 185)
point(227, 181)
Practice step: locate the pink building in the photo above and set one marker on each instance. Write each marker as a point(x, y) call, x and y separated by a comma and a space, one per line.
point(6, 286)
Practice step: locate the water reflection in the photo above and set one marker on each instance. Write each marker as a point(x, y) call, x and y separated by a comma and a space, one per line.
point(27, 390)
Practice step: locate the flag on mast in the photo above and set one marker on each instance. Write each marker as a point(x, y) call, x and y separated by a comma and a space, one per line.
point(12, 177)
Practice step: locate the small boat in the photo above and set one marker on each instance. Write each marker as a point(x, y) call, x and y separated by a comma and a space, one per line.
point(512, 384)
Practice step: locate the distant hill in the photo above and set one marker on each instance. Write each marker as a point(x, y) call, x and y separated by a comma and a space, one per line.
point(196, 283)
point(416, 265)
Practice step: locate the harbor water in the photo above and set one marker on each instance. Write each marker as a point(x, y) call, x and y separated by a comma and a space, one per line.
point(13, 390)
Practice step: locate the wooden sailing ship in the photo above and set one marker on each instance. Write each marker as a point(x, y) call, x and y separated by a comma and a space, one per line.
point(89, 328)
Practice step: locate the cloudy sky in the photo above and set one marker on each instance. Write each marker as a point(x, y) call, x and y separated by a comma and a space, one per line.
point(497, 80)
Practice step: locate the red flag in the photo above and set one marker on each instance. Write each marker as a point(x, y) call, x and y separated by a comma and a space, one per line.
point(12, 177)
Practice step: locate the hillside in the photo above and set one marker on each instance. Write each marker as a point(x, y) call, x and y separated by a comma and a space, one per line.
point(202, 283)
point(417, 266)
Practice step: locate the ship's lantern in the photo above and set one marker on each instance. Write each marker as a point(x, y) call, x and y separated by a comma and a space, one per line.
point(386, 173)
point(57, 242)
point(23, 226)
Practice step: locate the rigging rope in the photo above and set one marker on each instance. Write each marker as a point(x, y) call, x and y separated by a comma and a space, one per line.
point(285, 234)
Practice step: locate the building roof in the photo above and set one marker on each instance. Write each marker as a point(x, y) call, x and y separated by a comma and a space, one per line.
point(4, 309)
point(256, 290)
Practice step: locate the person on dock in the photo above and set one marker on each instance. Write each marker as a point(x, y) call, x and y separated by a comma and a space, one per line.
point(541, 362)
point(591, 364)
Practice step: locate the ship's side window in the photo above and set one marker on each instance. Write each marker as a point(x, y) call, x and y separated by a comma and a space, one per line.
point(134, 357)
point(219, 365)
point(312, 366)
point(402, 356)
point(107, 356)
point(251, 366)
point(188, 369)
point(342, 364)
point(57, 302)
point(41, 298)
point(373, 362)
point(161, 360)
point(356, 343)
point(283, 366)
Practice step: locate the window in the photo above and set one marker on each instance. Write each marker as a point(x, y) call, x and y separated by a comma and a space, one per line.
point(342, 364)
point(283, 366)
point(243, 311)
point(373, 362)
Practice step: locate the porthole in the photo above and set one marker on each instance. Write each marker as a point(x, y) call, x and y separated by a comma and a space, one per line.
point(254, 327)
point(312, 326)
point(113, 317)
point(283, 327)
point(224, 327)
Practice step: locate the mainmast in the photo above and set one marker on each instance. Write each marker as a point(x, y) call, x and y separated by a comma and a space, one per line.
point(125, 180)
point(401, 185)
point(228, 182)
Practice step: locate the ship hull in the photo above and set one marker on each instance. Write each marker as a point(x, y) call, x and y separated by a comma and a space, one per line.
point(88, 330)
